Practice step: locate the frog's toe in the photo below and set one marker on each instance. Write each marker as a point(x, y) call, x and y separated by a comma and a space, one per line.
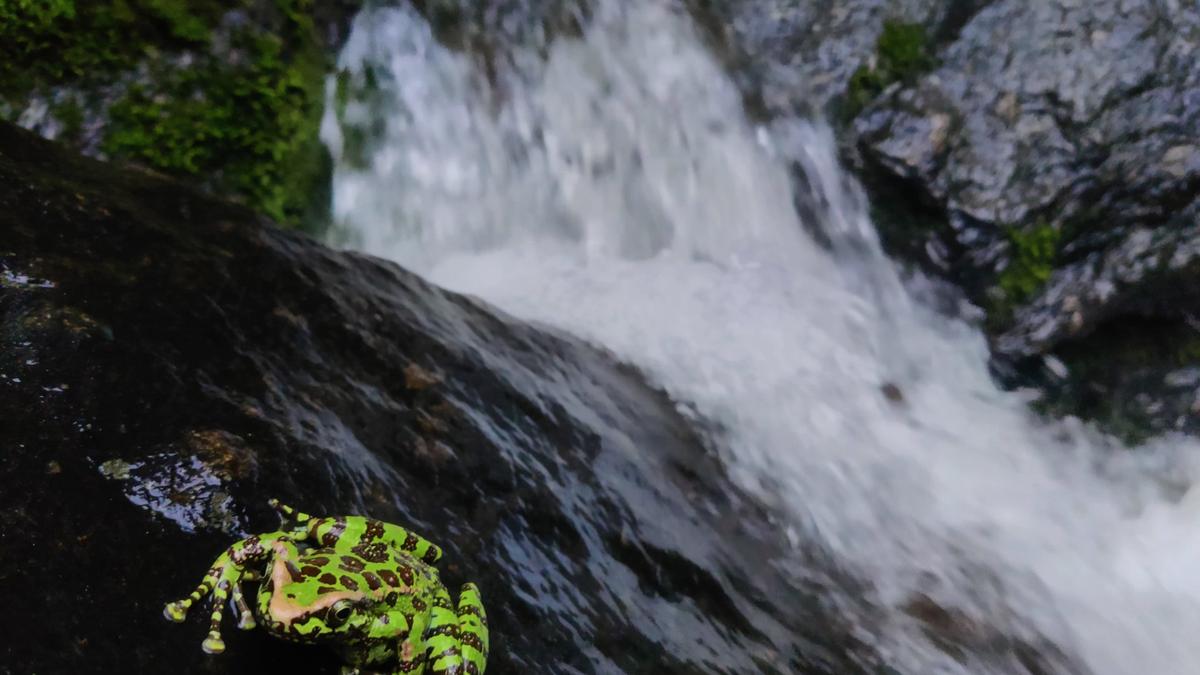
point(213, 644)
point(287, 513)
point(244, 614)
point(175, 611)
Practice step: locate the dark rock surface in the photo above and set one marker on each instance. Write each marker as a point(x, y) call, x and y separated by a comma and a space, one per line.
point(1071, 111)
point(1060, 141)
point(168, 362)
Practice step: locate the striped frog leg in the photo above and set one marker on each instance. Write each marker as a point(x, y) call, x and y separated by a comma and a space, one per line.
point(458, 639)
point(367, 537)
point(243, 561)
point(472, 630)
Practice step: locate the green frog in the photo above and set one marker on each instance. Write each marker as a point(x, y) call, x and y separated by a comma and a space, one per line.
point(365, 587)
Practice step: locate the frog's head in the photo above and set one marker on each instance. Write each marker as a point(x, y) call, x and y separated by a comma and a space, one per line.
point(317, 599)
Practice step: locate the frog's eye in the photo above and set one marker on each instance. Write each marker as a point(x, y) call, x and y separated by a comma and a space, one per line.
point(339, 613)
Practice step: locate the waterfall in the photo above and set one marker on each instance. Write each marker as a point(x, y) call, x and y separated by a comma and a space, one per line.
point(610, 184)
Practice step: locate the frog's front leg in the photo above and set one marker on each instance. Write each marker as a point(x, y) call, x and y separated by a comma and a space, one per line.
point(458, 639)
point(243, 561)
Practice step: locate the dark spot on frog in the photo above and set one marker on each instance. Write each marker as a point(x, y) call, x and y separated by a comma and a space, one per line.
point(373, 581)
point(389, 578)
point(349, 583)
point(391, 598)
point(375, 553)
point(328, 579)
point(326, 589)
point(351, 564)
point(374, 530)
point(319, 561)
point(419, 604)
point(406, 575)
point(471, 640)
point(310, 570)
point(410, 543)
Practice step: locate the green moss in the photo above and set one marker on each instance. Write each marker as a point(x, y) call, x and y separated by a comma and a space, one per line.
point(902, 52)
point(52, 42)
point(250, 128)
point(19, 16)
point(1033, 252)
point(1032, 260)
point(241, 114)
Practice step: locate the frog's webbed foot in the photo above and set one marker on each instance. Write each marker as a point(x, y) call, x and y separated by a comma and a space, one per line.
point(224, 579)
point(177, 611)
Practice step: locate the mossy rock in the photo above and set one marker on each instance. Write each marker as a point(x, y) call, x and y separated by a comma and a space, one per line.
point(1135, 377)
point(227, 93)
point(1033, 252)
point(902, 52)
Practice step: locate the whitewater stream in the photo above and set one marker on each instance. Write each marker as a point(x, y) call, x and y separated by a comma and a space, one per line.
point(610, 184)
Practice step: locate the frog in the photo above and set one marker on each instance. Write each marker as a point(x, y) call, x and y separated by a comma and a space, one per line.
point(367, 588)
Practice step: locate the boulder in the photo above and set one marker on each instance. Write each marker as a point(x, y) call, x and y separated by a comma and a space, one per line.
point(168, 362)
point(1055, 156)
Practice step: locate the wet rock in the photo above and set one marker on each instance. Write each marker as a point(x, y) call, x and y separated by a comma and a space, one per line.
point(168, 362)
point(1150, 272)
point(961, 635)
point(1046, 106)
point(799, 57)
point(1051, 160)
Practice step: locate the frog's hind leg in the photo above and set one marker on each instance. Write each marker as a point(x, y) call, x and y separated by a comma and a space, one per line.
point(472, 630)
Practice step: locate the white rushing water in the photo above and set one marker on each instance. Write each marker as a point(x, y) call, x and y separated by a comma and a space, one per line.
point(612, 186)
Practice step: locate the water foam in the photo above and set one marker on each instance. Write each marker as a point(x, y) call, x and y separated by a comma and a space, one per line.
point(615, 188)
